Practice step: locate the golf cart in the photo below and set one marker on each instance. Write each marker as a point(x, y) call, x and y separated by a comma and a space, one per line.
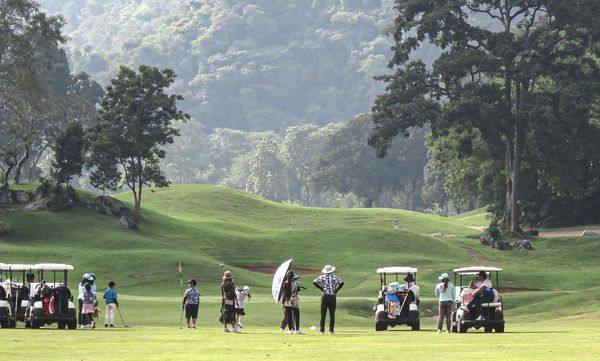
point(7, 310)
point(397, 304)
point(15, 294)
point(492, 309)
point(52, 300)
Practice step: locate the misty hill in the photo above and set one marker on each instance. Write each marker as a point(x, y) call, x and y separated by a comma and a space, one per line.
point(247, 64)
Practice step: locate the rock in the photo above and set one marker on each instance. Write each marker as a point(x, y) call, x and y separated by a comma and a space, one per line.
point(522, 244)
point(128, 221)
point(502, 246)
point(6, 197)
point(485, 241)
point(41, 205)
point(116, 207)
point(589, 233)
point(23, 197)
point(439, 234)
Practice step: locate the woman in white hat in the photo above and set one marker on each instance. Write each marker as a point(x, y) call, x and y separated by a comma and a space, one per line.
point(445, 293)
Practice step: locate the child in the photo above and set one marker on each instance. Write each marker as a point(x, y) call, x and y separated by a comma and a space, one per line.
point(241, 294)
point(89, 305)
point(191, 299)
point(110, 297)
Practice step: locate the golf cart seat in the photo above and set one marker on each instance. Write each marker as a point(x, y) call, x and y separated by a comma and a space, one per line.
point(2, 294)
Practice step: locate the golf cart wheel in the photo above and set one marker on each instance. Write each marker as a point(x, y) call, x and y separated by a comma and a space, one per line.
point(72, 325)
point(416, 326)
point(500, 328)
point(62, 325)
point(12, 324)
point(460, 328)
point(381, 326)
point(35, 324)
point(488, 329)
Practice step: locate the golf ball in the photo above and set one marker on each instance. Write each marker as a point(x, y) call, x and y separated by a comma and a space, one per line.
point(312, 328)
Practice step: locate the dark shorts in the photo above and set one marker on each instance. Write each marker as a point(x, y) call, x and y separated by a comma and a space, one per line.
point(239, 311)
point(191, 311)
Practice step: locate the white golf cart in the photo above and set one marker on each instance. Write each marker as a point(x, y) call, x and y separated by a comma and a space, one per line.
point(492, 305)
point(7, 310)
point(15, 292)
point(52, 301)
point(397, 304)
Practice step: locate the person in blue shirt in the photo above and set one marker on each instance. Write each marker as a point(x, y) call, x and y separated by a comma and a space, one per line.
point(110, 297)
point(446, 294)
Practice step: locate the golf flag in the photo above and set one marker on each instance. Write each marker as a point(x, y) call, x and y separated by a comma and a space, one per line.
point(180, 269)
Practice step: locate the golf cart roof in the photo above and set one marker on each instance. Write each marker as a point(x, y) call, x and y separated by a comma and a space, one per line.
point(54, 267)
point(17, 266)
point(476, 269)
point(397, 270)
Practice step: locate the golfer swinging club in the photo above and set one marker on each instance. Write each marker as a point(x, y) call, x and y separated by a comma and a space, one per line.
point(329, 284)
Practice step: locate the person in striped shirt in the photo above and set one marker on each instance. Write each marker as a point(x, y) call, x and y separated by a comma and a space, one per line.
point(329, 284)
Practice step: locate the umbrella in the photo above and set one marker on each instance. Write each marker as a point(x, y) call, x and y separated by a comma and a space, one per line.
point(279, 278)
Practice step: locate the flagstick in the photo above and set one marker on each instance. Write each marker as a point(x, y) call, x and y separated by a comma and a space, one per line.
point(180, 292)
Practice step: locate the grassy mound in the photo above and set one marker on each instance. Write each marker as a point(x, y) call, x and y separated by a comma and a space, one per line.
point(204, 226)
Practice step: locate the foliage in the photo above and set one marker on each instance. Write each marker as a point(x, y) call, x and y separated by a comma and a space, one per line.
point(69, 151)
point(508, 77)
point(348, 165)
point(135, 121)
point(247, 64)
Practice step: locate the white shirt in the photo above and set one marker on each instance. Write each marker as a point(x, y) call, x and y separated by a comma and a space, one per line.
point(487, 283)
point(415, 289)
point(241, 296)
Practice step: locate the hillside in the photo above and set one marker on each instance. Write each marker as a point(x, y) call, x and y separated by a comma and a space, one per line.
point(248, 64)
point(203, 226)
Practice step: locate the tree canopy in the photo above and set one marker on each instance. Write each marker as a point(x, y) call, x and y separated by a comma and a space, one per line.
point(517, 75)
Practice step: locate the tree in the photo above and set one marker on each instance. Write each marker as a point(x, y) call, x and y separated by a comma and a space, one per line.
point(299, 150)
point(135, 122)
point(501, 70)
point(348, 165)
point(265, 177)
point(69, 151)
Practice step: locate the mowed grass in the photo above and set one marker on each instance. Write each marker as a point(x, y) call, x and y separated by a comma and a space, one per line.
point(543, 341)
point(205, 226)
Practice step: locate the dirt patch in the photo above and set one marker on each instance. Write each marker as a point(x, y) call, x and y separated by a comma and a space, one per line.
point(478, 228)
point(478, 256)
point(272, 269)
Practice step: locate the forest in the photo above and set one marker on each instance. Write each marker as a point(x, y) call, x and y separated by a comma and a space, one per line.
point(347, 103)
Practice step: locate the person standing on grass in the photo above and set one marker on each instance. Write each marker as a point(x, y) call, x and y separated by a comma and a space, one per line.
point(329, 284)
point(290, 300)
point(89, 306)
point(228, 302)
point(191, 301)
point(445, 293)
point(241, 294)
point(110, 297)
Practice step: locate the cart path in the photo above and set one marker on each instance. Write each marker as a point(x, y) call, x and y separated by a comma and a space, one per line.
point(478, 256)
point(547, 234)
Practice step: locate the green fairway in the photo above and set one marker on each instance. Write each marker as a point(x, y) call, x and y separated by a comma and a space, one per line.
point(204, 226)
point(567, 339)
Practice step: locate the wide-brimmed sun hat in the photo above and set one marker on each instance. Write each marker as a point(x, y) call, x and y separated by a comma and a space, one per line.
point(409, 278)
point(227, 275)
point(443, 276)
point(328, 269)
point(246, 288)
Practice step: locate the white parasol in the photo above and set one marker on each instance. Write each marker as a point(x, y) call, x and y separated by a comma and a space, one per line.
point(279, 278)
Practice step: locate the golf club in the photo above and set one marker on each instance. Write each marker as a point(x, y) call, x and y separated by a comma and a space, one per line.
point(122, 320)
point(181, 319)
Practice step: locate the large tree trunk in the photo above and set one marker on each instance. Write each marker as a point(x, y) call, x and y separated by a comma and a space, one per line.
point(20, 163)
